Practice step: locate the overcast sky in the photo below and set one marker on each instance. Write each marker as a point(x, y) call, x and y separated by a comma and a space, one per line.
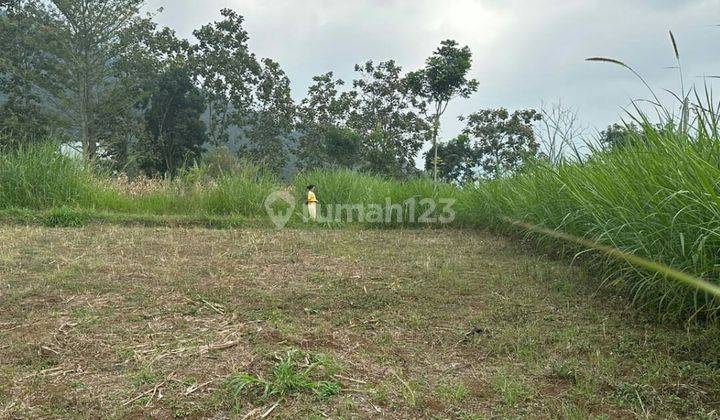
point(524, 51)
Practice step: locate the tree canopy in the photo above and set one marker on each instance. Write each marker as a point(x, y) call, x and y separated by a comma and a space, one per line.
point(443, 79)
point(503, 140)
point(100, 75)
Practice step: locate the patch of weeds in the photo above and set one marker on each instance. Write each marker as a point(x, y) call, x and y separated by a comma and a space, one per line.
point(293, 374)
point(189, 309)
point(77, 384)
point(703, 414)
point(124, 354)
point(635, 395)
point(86, 316)
point(181, 413)
point(144, 375)
point(347, 404)
point(322, 279)
point(570, 411)
point(453, 393)
point(276, 317)
point(67, 217)
point(564, 372)
point(381, 394)
point(409, 390)
point(510, 390)
point(29, 356)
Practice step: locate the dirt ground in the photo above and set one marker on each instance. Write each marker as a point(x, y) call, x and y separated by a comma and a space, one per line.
point(139, 322)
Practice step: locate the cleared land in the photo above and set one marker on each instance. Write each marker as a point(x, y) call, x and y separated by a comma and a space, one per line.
point(118, 321)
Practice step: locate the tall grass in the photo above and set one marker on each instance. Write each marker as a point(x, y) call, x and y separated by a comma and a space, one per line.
point(40, 177)
point(37, 177)
point(657, 198)
point(346, 187)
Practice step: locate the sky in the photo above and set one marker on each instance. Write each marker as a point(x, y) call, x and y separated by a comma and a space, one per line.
point(525, 52)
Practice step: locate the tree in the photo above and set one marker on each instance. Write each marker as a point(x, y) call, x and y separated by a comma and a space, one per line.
point(174, 122)
point(22, 115)
point(78, 44)
point(324, 109)
point(502, 140)
point(389, 116)
point(151, 54)
point(343, 147)
point(228, 74)
point(443, 79)
point(273, 119)
point(9, 5)
point(457, 160)
point(619, 135)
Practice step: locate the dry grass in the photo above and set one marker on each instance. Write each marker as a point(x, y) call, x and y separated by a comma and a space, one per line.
point(136, 322)
point(140, 186)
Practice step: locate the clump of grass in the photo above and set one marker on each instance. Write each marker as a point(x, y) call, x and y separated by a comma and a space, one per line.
point(293, 374)
point(67, 217)
point(39, 177)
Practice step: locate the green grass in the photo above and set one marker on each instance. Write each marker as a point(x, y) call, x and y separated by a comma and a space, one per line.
point(37, 177)
point(292, 374)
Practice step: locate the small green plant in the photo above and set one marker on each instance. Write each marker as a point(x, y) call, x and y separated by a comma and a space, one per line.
point(635, 394)
point(564, 372)
point(295, 373)
point(511, 390)
point(453, 393)
point(66, 217)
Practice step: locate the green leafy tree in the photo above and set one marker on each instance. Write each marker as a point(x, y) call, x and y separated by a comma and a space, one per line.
point(272, 121)
point(502, 139)
point(23, 117)
point(151, 54)
point(323, 110)
point(228, 73)
point(77, 45)
point(174, 121)
point(619, 135)
point(457, 160)
point(343, 147)
point(389, 116)
point(443, 79)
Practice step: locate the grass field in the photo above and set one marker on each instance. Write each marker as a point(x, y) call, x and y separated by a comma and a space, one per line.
point(119, 321)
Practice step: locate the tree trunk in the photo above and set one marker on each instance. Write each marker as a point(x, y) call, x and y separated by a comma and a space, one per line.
point(88, 140)
point(436, 126)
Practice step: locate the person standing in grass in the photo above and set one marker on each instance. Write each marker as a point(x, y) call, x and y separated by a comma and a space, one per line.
point(312, 203)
